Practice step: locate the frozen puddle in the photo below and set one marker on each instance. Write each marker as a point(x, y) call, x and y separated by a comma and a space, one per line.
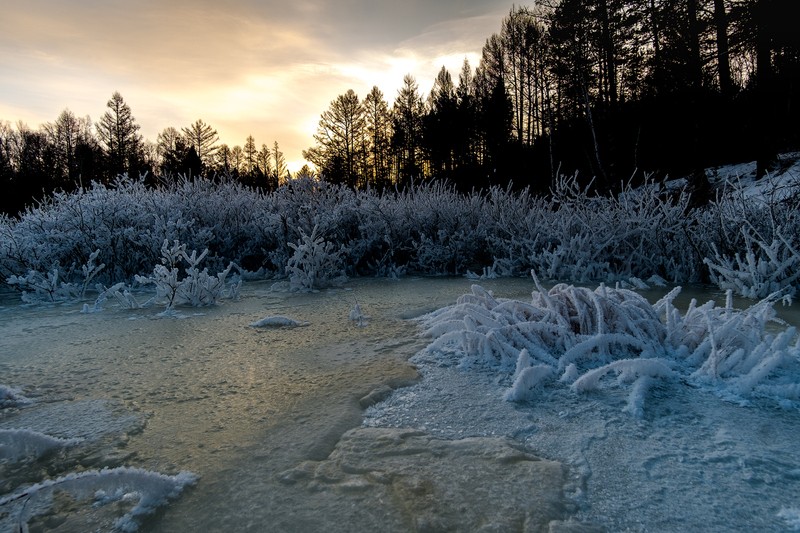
point(222, 426)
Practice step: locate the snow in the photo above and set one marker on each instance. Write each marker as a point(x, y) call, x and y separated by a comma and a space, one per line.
point(11, 397)
point(629, 414)
point(16, 444)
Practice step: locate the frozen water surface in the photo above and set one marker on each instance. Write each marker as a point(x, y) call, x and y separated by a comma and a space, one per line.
point(270, 420)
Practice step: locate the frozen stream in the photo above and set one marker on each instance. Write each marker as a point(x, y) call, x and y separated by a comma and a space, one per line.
point(259, 415)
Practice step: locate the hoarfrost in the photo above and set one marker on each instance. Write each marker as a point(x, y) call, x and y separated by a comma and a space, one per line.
point(583, 335)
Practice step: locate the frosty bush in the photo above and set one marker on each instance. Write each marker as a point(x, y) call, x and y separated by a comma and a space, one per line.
point(582, 336)
point(316, 263)
point(748, 243)
point(755, 249)
point(38, 286)
point(197, 288)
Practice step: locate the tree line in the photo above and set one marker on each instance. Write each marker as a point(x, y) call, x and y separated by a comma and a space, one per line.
point(72, 151)
point(608, 88)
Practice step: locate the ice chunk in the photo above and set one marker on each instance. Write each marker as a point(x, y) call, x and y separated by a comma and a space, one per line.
point(277, 322)
point(11, 397)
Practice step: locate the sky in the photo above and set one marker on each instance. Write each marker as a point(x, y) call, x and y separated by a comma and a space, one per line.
point(264, 68)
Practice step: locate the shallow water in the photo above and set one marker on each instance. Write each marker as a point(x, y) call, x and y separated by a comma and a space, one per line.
point(258, 413)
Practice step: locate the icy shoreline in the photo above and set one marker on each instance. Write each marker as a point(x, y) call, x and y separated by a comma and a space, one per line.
point(696, 459)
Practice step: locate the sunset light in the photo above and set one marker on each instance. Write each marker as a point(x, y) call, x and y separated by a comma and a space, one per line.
point(264, 69)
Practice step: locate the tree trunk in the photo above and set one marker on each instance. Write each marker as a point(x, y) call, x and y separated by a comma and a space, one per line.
point(723, 61)
point(763, 106)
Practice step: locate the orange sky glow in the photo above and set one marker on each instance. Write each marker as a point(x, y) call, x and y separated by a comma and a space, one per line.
point(246, 67)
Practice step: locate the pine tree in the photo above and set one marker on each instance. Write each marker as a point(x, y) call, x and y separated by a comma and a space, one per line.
point(204, 139)
point(339, 152)
point(118, 134)
point(378, 124)
point(280, 172)
point(407, 114)
point(250, 156)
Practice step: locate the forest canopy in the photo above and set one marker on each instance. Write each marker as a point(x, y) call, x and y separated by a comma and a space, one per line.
point(612, 89)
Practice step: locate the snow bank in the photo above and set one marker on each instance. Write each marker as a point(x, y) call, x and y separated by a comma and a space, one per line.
point(584, 336)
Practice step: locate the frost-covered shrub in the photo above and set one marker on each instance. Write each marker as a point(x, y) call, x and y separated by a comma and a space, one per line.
point(638, 232)
point(755, 244)
point(48, 287)
point(195, 288)
point(760, 270)
point(315, 263)
point(748, 242)
point(585, 335)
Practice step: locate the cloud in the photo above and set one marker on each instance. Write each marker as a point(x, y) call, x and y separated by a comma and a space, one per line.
point(246, 67)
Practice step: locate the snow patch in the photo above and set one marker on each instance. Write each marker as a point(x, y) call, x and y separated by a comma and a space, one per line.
point(17, 444)
point(12, 397)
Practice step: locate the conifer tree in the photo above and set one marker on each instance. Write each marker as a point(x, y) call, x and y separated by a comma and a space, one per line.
point(118, 134)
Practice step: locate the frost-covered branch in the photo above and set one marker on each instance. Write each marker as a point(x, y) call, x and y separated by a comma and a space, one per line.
point(584, 335)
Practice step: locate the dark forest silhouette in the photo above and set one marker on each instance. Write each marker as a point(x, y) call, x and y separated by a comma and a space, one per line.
point(608, 88)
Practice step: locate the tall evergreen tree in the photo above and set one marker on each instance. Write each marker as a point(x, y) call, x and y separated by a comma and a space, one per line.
point(279, 169)
point(204, 139)
point(250, 157)
point(407, 114)
point(118, 134)
point(340, 149)
point(378, 122)
point(67, 133)
point(439, 125)
point(264, 162)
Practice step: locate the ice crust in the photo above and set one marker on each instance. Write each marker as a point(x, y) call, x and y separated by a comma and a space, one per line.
point(150, 489)
point(423, 483)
